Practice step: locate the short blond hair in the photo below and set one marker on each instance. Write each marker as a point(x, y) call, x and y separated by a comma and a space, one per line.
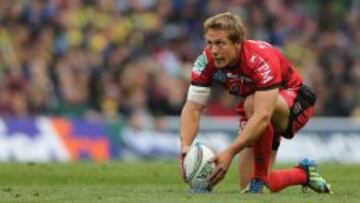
point(227, 22)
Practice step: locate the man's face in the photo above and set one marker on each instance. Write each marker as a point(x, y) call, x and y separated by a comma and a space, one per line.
point(224, 51)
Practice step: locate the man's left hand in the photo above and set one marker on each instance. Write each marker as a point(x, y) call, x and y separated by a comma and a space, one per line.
point(222, 161)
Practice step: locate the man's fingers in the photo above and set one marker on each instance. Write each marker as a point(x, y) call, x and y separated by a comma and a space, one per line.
point(214, 174)
point(217, 176)
point(220, 177)
point(217, 179)
point(182, 170)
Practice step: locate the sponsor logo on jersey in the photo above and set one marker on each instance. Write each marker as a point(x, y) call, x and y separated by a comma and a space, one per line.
point(245, 79)
point(200, 63)
point(238, 77)
point(234, 88)
point(297, 107)
point(263, 68)
point(232, 76)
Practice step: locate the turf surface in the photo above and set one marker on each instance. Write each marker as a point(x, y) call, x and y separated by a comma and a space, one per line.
point(151, 181)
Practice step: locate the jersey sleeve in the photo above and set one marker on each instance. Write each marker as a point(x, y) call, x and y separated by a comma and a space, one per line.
point(265, 67)
point(201, 74)
point(201, 77)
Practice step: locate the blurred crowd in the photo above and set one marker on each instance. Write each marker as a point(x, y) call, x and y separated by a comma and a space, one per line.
point(117, 58)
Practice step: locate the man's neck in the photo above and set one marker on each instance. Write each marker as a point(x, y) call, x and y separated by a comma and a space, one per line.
point(234, 64)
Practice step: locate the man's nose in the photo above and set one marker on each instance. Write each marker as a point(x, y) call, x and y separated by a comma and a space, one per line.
point(215, 50)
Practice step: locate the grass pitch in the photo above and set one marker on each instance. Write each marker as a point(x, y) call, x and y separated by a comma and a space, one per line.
point(151, 181)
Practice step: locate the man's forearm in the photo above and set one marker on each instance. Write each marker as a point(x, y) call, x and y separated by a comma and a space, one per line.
point(189, 124)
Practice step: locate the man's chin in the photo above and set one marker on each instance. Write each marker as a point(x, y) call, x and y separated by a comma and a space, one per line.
point(220, 66)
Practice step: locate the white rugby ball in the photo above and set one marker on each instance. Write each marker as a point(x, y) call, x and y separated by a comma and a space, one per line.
point(197, 168)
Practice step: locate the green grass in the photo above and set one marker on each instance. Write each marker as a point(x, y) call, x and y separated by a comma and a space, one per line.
point(149, 182)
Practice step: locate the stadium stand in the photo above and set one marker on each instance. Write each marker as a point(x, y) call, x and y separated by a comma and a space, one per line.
point(111, 58)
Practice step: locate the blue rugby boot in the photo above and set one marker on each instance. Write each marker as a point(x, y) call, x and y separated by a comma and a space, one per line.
point(314, 180)
point(257, 186)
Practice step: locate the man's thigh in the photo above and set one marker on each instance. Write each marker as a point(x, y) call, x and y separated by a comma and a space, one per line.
point(280, 117)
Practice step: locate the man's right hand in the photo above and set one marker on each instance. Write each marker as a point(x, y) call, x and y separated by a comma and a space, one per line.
point(183, 151)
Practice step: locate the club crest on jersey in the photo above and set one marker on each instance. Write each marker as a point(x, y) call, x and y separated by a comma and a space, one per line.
point(219, 75)
point(200, 63)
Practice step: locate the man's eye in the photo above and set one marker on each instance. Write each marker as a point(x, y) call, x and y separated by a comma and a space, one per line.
point(219, 43)
point(216, 43)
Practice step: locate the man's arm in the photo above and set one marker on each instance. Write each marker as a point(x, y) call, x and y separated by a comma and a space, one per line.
point(189, 123)
point(263, 107)
point(190, 119)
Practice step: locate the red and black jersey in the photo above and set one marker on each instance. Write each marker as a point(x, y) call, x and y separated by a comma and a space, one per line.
point(260, 67)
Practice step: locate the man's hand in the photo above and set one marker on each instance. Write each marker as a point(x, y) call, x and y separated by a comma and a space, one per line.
point(222, 161)
point(183, 152)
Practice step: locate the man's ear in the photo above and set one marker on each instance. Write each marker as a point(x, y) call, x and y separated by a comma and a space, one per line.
point(238, 45)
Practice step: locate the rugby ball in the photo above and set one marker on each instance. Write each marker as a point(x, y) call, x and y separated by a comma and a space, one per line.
point(197, 168)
